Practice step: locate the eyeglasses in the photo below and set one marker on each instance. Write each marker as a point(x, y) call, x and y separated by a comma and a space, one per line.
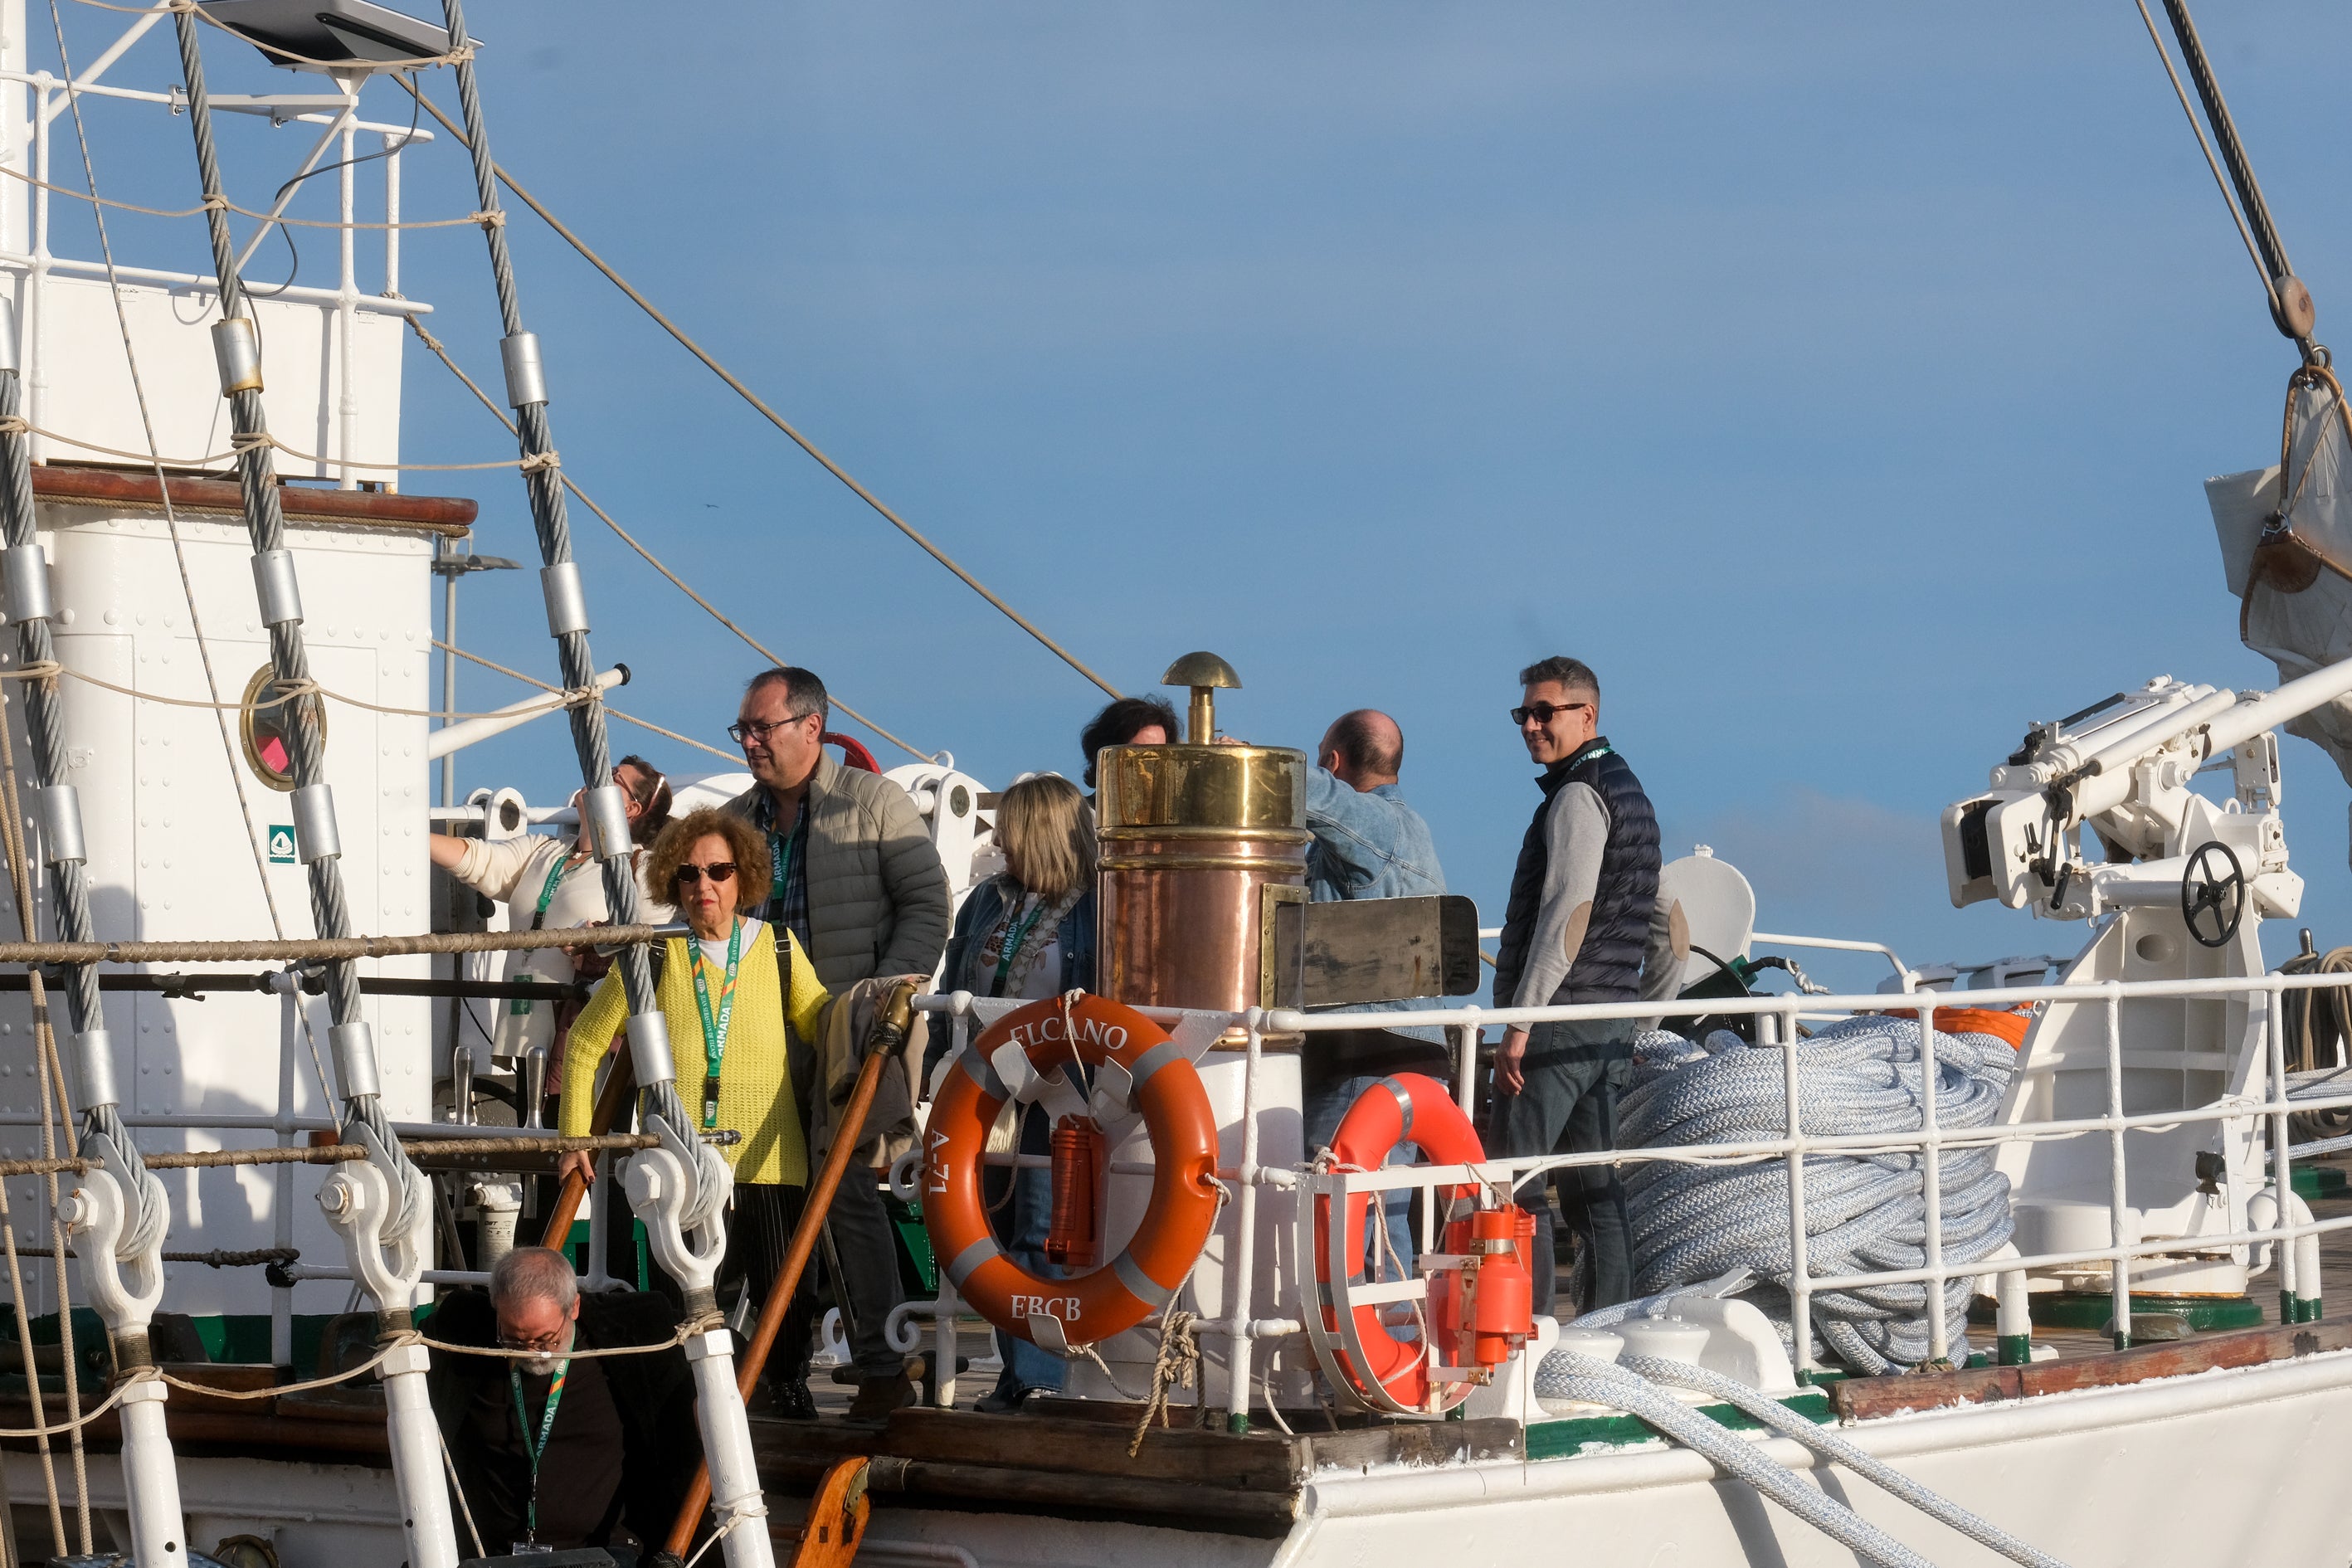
point(1544, 712)
point(719, 871)
point(548, 1341)
point(743, 731)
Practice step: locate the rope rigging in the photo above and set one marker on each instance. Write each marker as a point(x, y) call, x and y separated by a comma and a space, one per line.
point(759, 403)
point(680, 583)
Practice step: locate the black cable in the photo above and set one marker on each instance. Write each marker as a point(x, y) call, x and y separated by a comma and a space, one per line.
point(416, 110)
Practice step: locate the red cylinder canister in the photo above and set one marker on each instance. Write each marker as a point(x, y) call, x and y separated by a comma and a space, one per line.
point(1081, 1158)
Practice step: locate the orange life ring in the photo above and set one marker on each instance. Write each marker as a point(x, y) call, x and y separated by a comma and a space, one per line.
point(2009, 1023)
point(1090, 1307)
point(1407, 1108)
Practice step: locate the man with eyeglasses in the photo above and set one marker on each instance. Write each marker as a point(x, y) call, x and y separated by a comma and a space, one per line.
point(560, 1451)
point(1577, 929)
point(856, 878)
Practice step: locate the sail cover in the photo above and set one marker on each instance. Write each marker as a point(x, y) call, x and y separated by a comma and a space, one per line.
point(2289, 561)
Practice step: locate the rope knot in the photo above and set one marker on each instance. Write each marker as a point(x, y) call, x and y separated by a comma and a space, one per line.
point(214, 203)
point(536, 462)
point(1178, 1365)
point(15, 425)
point(463, 54)
point(490, 218)
point(245, 441)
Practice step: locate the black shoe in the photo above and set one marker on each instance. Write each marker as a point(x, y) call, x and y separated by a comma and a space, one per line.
point(877, 1397)
point(794, 1402)
point(1004, 1399)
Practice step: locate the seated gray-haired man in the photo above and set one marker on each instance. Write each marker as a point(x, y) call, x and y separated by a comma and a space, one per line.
point(559, 1451)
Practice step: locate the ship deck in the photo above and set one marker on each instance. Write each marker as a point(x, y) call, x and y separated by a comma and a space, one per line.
point(1069, 1458)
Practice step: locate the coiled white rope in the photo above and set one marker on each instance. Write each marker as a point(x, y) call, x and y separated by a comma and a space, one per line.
point(1864, 1212)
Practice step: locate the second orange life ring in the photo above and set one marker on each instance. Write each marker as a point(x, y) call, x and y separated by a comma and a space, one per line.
point(1090, 1307)
point(1407, 1108)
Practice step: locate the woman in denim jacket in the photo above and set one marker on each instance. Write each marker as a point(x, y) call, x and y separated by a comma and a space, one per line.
point(1028, 932)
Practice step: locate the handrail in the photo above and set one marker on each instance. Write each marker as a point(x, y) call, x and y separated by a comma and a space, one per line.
point(2272, 1103)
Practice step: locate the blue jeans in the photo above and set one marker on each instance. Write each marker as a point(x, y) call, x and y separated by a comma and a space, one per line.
point(1031, 1215)
point(1325, 1105)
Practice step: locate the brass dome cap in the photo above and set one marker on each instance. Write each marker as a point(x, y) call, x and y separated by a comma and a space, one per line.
point(1200, 669)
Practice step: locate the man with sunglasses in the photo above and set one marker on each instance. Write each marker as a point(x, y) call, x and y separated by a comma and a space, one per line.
point(1577, 929)
point(857, 878)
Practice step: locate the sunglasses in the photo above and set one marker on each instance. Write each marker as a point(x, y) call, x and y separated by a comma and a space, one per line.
point(1544, 712)
point(719, 871)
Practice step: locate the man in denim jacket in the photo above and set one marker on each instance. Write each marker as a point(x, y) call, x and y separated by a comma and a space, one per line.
point(1369, 844)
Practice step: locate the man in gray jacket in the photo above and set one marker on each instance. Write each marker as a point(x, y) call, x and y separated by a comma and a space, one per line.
point(857, 880)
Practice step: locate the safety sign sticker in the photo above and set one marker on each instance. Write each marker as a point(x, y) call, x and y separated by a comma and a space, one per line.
point(282, 845)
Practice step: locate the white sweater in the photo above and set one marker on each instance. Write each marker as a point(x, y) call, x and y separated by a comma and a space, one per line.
point(514, 871)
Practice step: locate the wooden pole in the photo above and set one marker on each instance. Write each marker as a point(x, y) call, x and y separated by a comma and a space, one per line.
point(880, 1051)
point(617, 1087)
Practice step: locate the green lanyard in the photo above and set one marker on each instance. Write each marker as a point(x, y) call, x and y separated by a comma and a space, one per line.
point(521, 1006)
point(547, 893)
point(546, 1427)
point(714, 1029)
point(1012, 950)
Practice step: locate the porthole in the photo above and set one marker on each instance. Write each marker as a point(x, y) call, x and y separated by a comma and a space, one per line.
point(264, 729)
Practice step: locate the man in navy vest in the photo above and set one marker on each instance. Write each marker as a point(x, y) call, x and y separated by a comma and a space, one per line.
point(1577, 929)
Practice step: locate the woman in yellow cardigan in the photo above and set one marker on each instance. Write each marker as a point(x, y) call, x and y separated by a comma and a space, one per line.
point(724, 996)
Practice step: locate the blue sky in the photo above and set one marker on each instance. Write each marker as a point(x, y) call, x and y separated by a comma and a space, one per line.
point(1838, 379)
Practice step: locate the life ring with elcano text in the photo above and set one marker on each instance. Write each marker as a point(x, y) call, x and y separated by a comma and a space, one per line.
point(1162, 1084)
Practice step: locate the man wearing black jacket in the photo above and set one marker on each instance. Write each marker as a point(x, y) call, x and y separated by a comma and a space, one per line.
point(564, 1451)
point(1578, 928)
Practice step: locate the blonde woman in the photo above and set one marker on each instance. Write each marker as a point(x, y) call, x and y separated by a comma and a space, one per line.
point(726, 997)
point(1029, 931)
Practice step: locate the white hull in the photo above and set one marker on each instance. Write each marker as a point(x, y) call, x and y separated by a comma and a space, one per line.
point(2186, 1472)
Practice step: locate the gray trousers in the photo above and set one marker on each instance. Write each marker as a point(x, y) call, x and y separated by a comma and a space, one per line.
point(1573, 1073)
point(869, 1266)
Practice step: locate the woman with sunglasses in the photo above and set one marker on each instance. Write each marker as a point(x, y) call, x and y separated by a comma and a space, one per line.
point(726, 996)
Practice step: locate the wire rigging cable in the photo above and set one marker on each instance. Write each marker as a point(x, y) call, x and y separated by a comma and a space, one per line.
point(229, 751)
point(2290, 302)
point(680, 583)
point(778, 420)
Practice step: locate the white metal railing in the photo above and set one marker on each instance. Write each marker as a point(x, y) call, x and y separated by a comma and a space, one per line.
point(1506, 1175)
point(33, 256)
